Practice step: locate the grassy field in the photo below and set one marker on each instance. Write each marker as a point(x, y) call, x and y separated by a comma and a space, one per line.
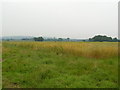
point(60, 64)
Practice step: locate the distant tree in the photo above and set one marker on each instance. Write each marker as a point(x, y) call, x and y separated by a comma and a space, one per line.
point(68, 39)
point(35, 38)
point(60, 39)
point(90, 39)
point(38, 38)
point(100, 38)
point(25, 39)
point(41, 38)
point(115, 40)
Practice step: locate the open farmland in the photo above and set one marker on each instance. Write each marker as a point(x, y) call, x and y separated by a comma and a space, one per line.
point(60, 64)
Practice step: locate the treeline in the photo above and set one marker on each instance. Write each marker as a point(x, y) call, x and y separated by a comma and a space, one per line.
point(101, 38)
point(97, 38)
point(50, 39)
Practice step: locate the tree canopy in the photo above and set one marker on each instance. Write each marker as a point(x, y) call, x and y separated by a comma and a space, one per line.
point(101, 38)
point(38, 38)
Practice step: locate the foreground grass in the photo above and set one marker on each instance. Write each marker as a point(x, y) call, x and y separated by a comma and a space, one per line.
point(59, 65)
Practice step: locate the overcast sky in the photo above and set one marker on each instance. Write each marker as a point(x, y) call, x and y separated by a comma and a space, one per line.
point(60, 18)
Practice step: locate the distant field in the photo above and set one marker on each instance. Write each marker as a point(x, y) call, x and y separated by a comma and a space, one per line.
point(60, 64)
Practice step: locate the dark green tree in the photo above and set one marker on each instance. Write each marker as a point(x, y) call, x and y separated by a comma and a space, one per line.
point(39, 39)
point(100, 38)
point(115, 39)
point(68, 39)
point(60, 39)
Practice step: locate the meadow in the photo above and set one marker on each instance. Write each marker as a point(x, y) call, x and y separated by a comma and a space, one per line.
point(59, 64)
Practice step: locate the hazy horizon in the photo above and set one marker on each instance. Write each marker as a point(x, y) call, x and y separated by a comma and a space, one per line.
point(60, 18)
point(58, 37)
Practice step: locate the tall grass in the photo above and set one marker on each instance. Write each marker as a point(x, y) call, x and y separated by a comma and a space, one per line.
point(84, 49)
point(59, 65)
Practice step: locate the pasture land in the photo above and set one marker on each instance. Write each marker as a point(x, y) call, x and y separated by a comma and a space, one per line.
point(60, 64)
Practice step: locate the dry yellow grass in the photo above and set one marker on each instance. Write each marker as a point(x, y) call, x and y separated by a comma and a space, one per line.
point(85, 49)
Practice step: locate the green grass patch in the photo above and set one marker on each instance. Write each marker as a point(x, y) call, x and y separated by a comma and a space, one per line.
point(25, 67)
